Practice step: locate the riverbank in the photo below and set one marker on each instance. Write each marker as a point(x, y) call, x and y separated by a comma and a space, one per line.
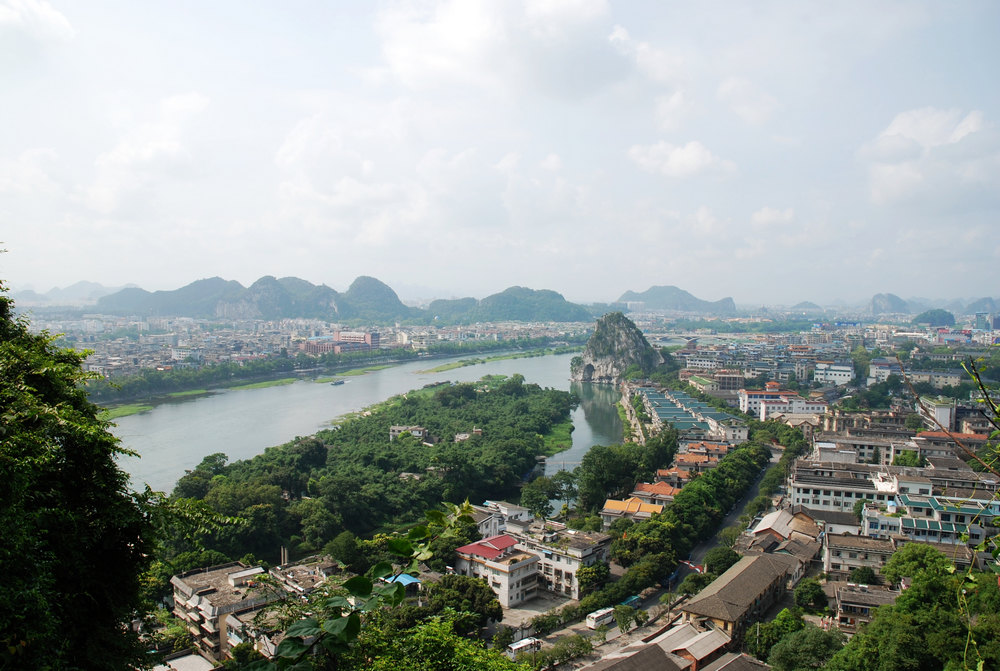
point(501, 357)
point(150, 401)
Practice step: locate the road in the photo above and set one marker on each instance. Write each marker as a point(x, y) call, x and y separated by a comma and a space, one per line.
point(700, 550)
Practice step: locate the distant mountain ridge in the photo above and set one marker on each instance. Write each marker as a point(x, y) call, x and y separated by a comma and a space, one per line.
point(367, 299)
point(673, 298)
point(81, 293)
point(887, 304)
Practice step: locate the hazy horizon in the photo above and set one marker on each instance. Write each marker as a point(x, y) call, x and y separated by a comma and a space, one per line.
point(774, 153)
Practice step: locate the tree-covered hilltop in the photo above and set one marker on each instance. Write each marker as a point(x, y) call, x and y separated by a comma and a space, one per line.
point(935, 317)
point(354, 478)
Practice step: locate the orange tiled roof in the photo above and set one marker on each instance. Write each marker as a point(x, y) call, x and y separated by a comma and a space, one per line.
point(661, 488)
point(632, 505)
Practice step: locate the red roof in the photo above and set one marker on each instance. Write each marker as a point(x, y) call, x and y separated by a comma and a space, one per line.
point(488, 548)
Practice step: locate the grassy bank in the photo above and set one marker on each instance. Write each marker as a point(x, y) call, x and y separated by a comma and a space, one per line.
point(498, 357)
point(560, 438)
point(125, 411)
point(363, 371)
point(190, 392)
point(267, 383)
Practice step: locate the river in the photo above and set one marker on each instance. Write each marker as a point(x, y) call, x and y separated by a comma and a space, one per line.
point(174, 437)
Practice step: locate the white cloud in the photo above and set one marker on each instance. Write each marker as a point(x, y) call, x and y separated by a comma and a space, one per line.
point(769, 216)
point(147, 152)
point(552, 163)
point(672, 111)
point(931, 127)
point(28, 173)
point(934, 155)
point(690, 159)
point(748, 101)
point(555, 47)
point(36, 18)
point(656, 63)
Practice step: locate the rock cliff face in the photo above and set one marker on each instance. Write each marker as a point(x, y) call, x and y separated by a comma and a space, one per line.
point(616, 346)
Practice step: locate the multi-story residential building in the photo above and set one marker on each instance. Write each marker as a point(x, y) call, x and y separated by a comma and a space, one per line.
point(836, 486)
point(856, 604)
point(937, 378)
point(693, 419)
point(204, 597)
point(791, 405)
point(938, 413)
point(842, 553)
point(561, 552)
point(948, 519)
point(827, 372)
point(880, 368)
point(948, 444)
point(750, 399)
point(510, 572)
point(695, 463)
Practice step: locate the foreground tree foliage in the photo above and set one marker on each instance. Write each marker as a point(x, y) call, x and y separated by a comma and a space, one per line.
point(364, 624)
point(75, 539)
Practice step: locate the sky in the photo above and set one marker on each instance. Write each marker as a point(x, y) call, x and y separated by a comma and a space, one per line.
point(774, 152)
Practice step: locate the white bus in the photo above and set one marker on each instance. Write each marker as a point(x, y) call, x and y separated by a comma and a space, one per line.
point(525, 645)
point(601, 617)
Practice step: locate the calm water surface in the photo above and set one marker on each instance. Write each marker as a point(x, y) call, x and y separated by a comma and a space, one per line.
point(176, 436)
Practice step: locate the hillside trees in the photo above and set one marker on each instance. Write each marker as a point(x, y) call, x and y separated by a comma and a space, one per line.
point(76, 540)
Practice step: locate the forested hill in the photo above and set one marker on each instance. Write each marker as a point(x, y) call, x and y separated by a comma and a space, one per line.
point(366, 300)
point(355, 479)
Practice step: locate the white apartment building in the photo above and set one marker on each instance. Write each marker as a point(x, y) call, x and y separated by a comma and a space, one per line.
point(560, 551)
point(833, 373)
point(510, 572)
point(790, 405)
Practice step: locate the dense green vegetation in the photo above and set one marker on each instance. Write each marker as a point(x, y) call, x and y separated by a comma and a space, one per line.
point(935, 317)
point(75, 539)
point(305, 493)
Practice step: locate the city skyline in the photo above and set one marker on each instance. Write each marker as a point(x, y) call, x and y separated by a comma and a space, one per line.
point(777, 153)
